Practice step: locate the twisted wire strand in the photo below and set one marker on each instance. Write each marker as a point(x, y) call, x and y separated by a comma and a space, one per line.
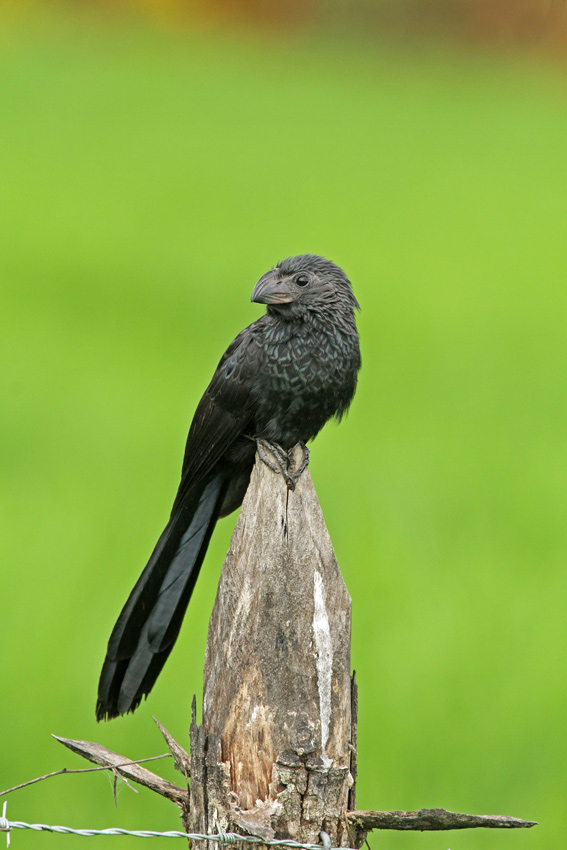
point(220, 837)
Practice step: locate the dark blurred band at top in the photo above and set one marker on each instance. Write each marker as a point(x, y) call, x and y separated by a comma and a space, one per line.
point(527, 24)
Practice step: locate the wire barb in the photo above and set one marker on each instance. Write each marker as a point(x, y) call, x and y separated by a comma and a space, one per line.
point(5, 823)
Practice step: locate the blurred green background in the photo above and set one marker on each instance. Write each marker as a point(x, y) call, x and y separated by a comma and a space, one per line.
point(152, 169)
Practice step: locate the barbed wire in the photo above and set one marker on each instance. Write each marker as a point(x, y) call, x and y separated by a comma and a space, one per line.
point(220, 837)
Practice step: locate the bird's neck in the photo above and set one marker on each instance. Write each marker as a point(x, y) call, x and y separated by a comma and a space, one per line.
point(325, 320)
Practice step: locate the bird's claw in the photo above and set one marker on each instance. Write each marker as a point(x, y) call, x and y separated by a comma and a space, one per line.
point(285, 462)
point(276, 451)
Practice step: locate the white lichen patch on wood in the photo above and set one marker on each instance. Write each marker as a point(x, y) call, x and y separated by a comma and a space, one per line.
point(254, 715)
point(324, 648)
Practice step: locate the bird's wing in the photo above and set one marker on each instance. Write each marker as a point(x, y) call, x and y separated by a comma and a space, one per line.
point(224, 411)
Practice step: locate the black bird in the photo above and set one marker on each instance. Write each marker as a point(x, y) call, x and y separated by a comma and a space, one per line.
point(278, 382)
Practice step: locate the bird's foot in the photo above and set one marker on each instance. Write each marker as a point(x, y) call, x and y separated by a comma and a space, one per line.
point(285, 462)
point(266, 451)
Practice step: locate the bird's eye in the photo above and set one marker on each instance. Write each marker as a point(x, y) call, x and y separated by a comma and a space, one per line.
point(302, 280)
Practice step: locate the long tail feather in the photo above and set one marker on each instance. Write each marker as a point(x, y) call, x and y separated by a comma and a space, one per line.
point(150, 621)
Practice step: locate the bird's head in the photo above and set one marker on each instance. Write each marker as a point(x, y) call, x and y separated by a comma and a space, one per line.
point(299, 286)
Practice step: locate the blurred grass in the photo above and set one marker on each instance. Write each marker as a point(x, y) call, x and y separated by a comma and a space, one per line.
point(148, 179)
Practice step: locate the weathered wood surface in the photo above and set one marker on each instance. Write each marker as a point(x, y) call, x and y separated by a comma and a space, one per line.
point(273, 755)
point(433, 819)
point(128, 768)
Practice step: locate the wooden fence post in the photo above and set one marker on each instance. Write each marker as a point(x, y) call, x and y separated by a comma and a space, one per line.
point(275, 752)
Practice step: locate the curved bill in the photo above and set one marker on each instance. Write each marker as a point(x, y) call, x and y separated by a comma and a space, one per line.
point(270, 289)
